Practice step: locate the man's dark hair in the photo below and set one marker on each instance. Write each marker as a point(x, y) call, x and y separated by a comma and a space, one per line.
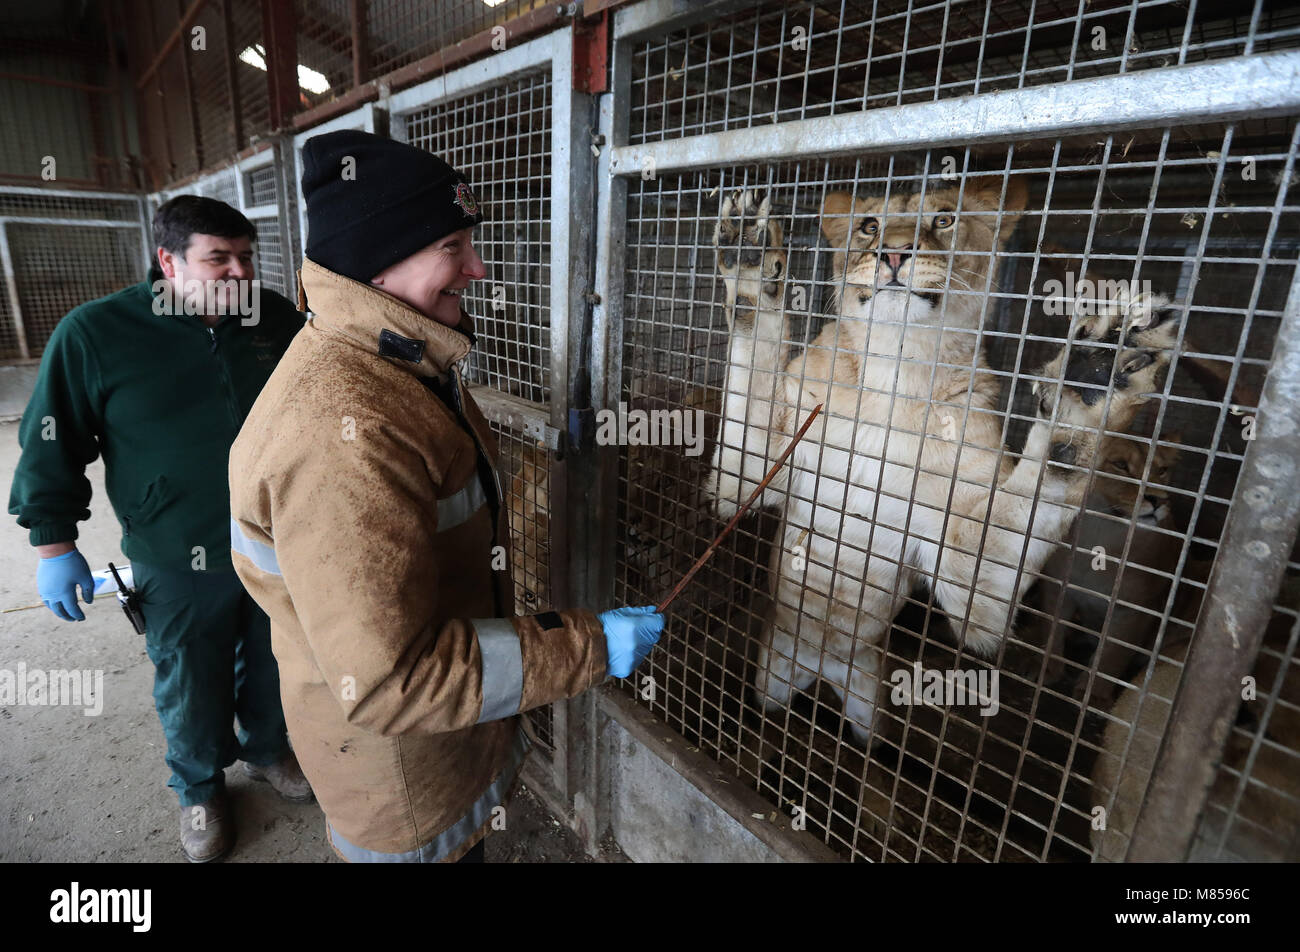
point(186, 215)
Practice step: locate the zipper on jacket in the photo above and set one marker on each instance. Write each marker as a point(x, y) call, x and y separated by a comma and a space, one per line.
point(482, 450)
point(498, 513)
point(232, 402)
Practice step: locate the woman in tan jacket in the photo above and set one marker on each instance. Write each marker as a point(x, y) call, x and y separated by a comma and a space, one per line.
point(367, 520)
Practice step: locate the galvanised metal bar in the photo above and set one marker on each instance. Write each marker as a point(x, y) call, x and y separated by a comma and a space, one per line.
point(573, 274)
point(1218, 91)
point(146, 232)
point(67, 193)
point(11, 287)
point(485, 74)
point(518, 415)
point(661, 16)
point(572, 171)
point(286, 178)
point(1258, 538)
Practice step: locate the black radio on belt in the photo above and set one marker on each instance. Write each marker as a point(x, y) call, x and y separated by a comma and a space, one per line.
point(129, 599)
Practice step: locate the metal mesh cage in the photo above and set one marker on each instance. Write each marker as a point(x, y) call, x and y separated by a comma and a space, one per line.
point(403, 31)
point(260, 185)
point(797, 61)
point(501, 139)
point(61, 249)
point(525, 472)
point(49, 284)
point(324, 39)
point(254, 99)
point(11, 347)
point(273, 257)
point(749, 288)
point(213, 108)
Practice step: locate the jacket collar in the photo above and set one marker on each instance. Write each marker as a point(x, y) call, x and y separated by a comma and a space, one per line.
point(364, 314)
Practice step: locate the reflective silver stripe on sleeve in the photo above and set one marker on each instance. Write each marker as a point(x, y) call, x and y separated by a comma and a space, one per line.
point(445, 842)
point(503, 668)
point(459, 506)
point(259, 553)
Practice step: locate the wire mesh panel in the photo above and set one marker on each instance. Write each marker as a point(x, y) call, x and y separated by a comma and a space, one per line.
point(501, 139)
point(250, 80)
point(272, 255)
point(61, 249)
point(403, 31)
point(58, 267)
point(260, 185)
point(209, 77)
point(11, 343)
point(324, 41)
point(799, 60)
point(950, 629)
point(525, 473)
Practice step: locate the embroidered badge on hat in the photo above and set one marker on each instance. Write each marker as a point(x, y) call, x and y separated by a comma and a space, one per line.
point(465, 199)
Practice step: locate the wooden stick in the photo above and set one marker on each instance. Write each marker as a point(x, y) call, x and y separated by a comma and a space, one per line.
point(771, 473)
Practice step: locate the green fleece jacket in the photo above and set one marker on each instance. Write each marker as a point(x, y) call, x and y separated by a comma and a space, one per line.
point(161, 398)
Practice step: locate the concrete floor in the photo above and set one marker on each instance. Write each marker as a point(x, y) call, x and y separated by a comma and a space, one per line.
point(83, 788)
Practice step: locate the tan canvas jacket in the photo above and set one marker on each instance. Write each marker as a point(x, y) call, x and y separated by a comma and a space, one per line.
point(362, 521)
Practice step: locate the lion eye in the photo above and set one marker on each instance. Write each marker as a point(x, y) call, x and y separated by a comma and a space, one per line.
point(869, 227)
point(1120, 465)
point(943, 220)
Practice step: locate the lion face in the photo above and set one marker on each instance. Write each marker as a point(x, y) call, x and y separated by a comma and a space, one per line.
point(920, 245)
point(1120, 473)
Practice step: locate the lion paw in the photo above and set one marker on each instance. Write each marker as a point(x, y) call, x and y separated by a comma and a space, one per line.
point(748, 241)
point(1121, 351)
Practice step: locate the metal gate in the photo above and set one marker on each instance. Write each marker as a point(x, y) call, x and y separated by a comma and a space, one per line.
point(1088, 160)
point(60, 249)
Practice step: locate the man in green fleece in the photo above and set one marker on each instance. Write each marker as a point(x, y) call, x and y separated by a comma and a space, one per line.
point(159, 378)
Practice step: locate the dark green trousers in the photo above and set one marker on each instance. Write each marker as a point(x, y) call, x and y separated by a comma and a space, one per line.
point(211, 647)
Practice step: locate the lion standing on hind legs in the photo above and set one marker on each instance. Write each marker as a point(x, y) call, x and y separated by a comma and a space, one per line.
point(904, 478)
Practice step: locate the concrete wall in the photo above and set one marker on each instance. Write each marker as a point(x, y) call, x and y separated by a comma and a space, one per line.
point(657, 816)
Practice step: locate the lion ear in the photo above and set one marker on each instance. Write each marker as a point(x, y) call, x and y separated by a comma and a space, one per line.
point(988, 195)
point(836, 222)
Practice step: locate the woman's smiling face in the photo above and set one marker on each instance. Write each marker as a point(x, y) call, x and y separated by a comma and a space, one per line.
point(432, 279)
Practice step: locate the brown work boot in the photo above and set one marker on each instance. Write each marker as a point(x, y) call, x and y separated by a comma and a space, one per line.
point(207, 830)
point(285, 777)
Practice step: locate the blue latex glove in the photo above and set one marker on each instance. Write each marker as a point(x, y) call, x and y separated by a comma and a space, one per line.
point(57, 579)
point(630, 633)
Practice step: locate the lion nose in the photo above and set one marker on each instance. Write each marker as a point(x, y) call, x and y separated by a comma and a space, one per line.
point(896, 258)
